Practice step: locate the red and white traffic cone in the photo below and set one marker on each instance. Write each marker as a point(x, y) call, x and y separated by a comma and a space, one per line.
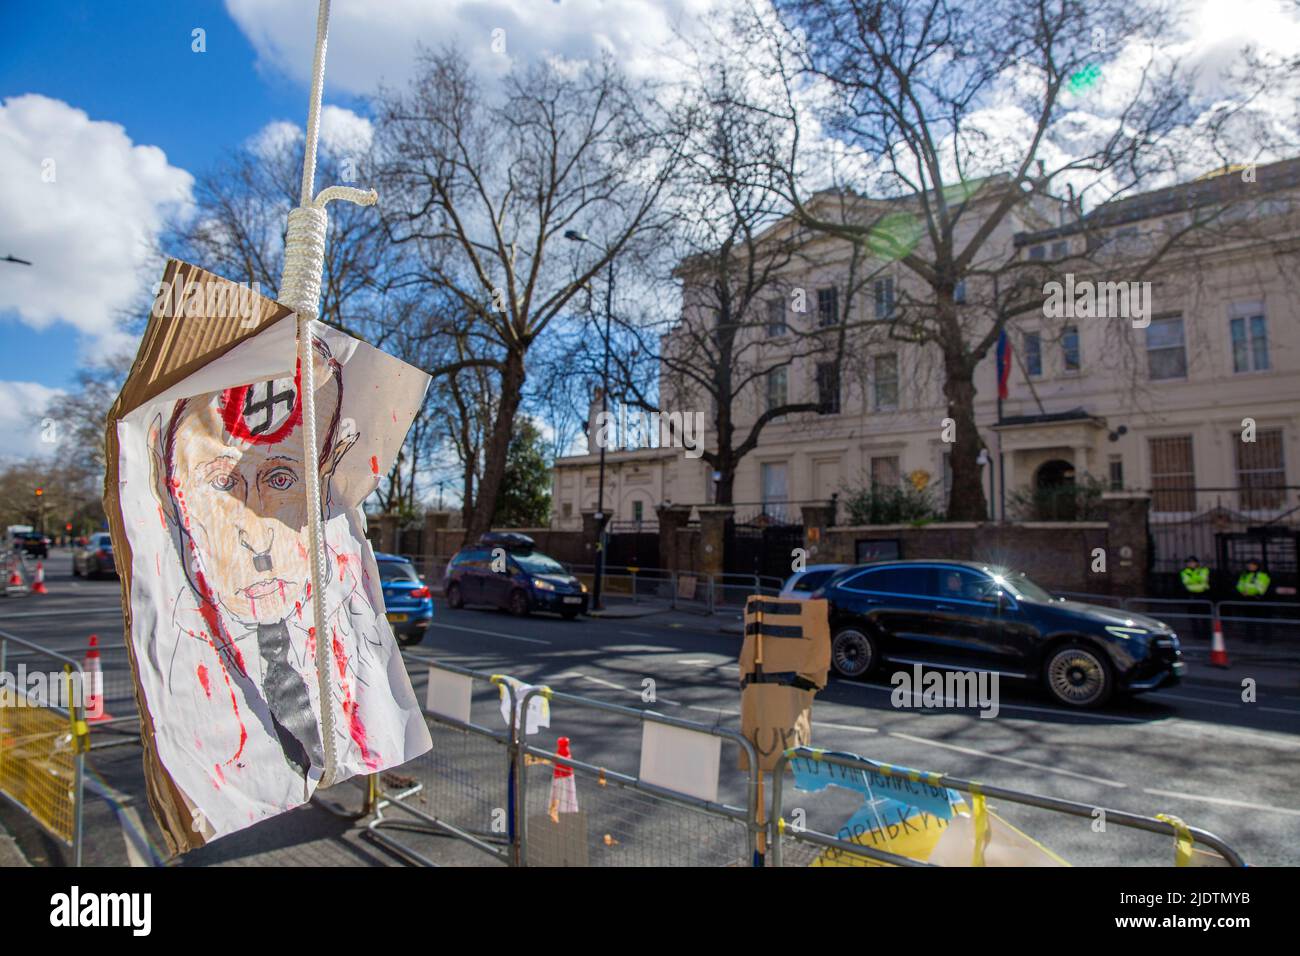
point(564, 789)
point(15, 583)
point(93, 674)
point(1218, 649)
point(38, 585)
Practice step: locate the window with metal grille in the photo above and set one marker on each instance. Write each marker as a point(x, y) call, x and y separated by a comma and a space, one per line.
point(1116, 473)
point(828, 388)
point(828, 306)
point(1173, 477)
point(1261, 470)
point(885, 472)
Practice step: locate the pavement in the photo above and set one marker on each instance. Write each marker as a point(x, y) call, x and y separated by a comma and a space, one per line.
point(1198, 751)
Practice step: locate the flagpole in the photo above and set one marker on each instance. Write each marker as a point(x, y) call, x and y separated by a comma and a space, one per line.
point(1002, 467)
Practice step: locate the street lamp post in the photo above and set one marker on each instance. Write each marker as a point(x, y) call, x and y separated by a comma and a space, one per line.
point(601, 519)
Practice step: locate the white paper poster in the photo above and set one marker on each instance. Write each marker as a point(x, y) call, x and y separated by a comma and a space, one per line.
point(212, 488)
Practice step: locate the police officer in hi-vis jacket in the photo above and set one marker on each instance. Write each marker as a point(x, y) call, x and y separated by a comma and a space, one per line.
point(1253, 585)
point(1196, 582)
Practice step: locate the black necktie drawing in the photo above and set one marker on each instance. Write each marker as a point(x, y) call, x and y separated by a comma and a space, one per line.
point(287, 698)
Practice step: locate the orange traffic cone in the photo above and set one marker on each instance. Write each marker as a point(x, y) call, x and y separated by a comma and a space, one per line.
point(15, 584)
point(564, 789)
point(1218, 650)
point(38, 585)
point(93, 674)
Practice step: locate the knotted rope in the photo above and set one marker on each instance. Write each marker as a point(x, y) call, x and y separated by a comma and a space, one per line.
point(304, 264)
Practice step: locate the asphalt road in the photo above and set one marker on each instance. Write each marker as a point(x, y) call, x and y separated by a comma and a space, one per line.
point(1196, 751)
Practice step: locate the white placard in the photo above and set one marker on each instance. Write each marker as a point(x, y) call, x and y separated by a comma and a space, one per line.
point(448, 694)
point(684, 761)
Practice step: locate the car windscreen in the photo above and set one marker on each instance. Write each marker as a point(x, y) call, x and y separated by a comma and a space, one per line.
point(1021, 585)
point(535, 563)
point(397, 571)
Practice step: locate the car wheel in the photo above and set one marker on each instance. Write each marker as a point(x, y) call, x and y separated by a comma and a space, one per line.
point(569, 615)
point(453, 596)
point(853, 652)
point(518, 603)
point(76, 572)
point(1078, 676)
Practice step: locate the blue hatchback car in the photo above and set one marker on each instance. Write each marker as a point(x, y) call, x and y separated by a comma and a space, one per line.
point(406, 598)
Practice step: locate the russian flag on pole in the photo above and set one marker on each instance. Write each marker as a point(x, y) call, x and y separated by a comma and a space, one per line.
point(1004, 363)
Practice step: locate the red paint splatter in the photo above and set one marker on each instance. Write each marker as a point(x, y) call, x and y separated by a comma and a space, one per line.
point(162, 518)
point(374, 465)
point(297, 609)
point(282, 591)
point(311, 641)
point(358, 731)
point(234, 703)
point(343, 563)
point(203, 679)
point(221, 777)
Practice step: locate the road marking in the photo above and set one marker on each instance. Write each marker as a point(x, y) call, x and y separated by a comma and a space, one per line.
point(475, 630)
point(1091, 778)
point(116, 609)
point(1223, 801)
point(637, 633)
point(696, 662)
point(1280, 710)
point(860, 730)
point(602, 683)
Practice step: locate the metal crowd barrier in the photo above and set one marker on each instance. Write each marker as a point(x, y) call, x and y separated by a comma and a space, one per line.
point(462, 788)
point(621, 818)
point(43, 738)
point(800, 843)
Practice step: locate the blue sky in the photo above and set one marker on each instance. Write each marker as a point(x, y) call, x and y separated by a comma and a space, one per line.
point(110, 96)
point(138, 71)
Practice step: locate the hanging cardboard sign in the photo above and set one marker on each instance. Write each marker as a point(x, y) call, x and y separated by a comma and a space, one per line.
point(205, 496)
point(784, 661)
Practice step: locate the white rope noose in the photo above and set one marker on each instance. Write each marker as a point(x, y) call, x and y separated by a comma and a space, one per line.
point(304, 263)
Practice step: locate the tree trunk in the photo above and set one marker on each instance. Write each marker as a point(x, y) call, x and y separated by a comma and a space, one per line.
point(966, 501)
point(494, 457)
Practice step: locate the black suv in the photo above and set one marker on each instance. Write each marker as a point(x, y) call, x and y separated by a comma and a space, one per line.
point(960, 615)
point(503, 570)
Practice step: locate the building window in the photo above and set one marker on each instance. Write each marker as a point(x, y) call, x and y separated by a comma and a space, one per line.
point(885, 472)
point(1249, 338)
point(1261, 472)
point(828, 388)
point(828, 306)
point(776, 318)
point(1037, 252)
point(1116, 473)
point(1173, 478)
point(885, 381)
point(1070, 348)
point(1166, 352)
point(567, 509)
point(1060, 249)
point(1033, 353)
point(883, 291)
point(638, 511)
point(959, 292)
point(776, 388)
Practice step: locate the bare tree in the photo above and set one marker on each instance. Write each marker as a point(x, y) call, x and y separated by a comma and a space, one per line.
point(483, 184)
point(914, 95)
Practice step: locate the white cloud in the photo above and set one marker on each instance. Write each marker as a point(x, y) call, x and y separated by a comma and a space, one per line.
point(22, 410)
point(90, 231)
point(371, 42)
point(342, 133)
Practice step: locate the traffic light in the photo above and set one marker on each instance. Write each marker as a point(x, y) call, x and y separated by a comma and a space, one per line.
point(68, 526)
point(39, 492)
